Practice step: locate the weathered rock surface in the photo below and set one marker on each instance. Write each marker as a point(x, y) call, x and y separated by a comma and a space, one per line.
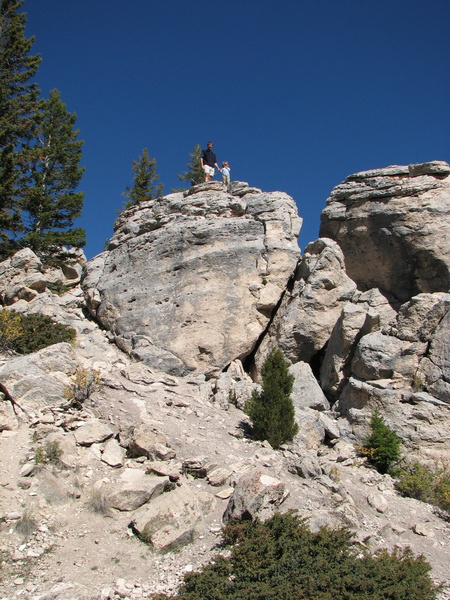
point(403, 370)
point(310, 310)
point(23, 276)
point(135, 488)
point(207, 269)
point(27, 377)
point(397, 221)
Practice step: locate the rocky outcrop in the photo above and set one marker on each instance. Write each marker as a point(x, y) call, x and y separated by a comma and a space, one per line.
point(403, 371)
point(352, 312)
point(198, 288)
point(191, 280)
point(397, 221)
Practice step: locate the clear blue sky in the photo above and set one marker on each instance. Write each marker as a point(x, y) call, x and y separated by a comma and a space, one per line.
point(295, 94)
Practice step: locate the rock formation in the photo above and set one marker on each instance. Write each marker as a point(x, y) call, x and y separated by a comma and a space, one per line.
point(191, 279)
point(177, 317)
point(396, 221)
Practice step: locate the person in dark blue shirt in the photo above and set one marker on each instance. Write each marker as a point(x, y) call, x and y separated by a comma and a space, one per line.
point(208, 161)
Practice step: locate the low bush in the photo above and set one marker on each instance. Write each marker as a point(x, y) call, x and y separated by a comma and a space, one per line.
point(281, 559)
point(85, 382)
point(50, 452)
point(26, 525)
point(10, 328)
point(28, 333)
point(426, 484)
point(98, 503)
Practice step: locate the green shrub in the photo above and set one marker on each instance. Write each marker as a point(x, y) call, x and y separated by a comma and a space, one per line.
point(28, 333)
point(425, 484)
point(382, 446)
point(85, 382)
point(50, 452)
point(281, 559)
point(416, 482)
point(272, 411)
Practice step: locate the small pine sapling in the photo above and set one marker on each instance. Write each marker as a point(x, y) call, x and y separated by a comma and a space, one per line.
point(382, 446)
point(272, 410)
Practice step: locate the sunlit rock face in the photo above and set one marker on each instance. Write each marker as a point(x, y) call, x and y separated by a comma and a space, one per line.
point(190, 280)
point(393, 227)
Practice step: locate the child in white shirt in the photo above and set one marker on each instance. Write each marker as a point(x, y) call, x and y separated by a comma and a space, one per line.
point(225, 170)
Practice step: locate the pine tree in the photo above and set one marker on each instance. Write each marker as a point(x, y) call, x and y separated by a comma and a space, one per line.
point(272, 411)
point(49, 201)
point(145, 186)
point(195, 173)
point(18, 100)
point(382, 446)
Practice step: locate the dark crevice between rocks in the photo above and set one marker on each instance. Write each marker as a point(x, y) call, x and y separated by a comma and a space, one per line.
point(316, 362)
point(248, 361)
point(347, 365)
point(89, 317)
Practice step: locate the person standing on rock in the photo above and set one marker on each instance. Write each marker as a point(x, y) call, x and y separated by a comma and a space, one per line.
point(208, 161)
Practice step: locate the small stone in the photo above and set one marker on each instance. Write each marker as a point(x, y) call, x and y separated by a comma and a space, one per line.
point(13, 516)
point(218, 476)
point(113, 454)
point(24, 484)
point(121, 588)
point(47, 419)
point(398, 530)
point(215, 529)
point(423, 529)
point(225, 493)
point(92, 432)
point(27, 469)
point(378, 502)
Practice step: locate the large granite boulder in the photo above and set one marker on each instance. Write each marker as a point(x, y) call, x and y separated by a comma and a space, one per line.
point(396, 222)
point(190, 280)
point(170, 521)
